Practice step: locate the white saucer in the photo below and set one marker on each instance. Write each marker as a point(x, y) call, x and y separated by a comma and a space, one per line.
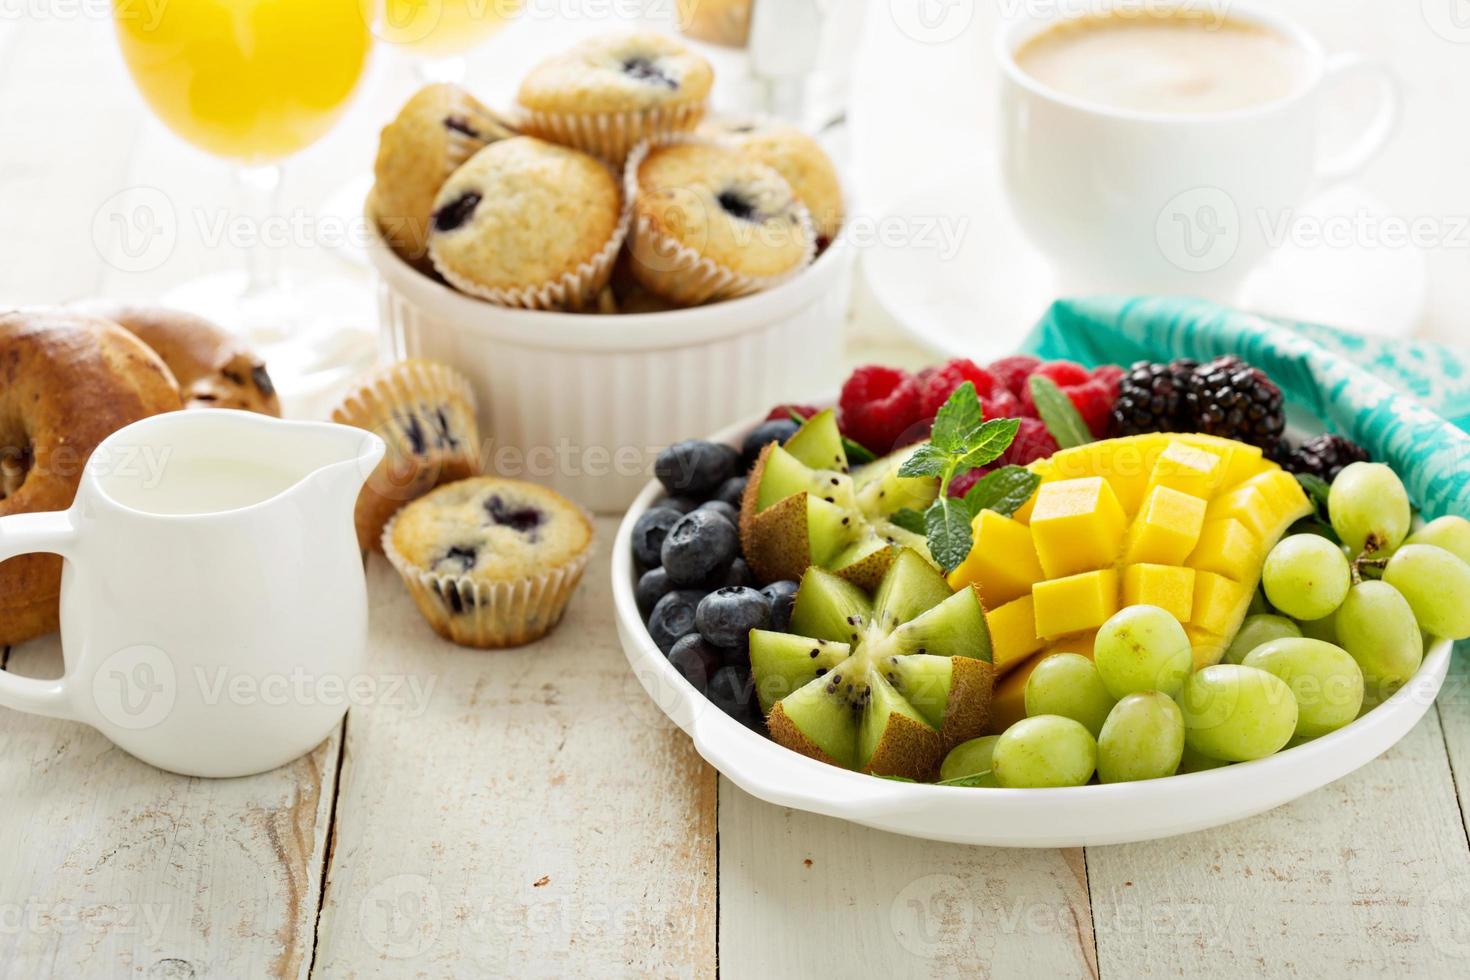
point(980, 301)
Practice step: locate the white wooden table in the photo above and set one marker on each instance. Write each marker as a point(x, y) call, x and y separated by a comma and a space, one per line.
point(530, 812)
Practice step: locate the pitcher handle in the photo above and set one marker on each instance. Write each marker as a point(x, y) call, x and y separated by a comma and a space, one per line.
point(24, 534)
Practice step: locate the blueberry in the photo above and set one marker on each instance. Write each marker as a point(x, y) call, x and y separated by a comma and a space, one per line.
point(456, 212)
point(644, 70)
point(739, 205)
point(697, 547)
point(696, 659)
point(649, 532)
point(726, 616)
point(682, 504)
point(522, 519)
point(695, 467)
point(723, 509)
point(673, 617)
point(732, 491)
point(653, 585)
point(776, 430)
point(733, 692)
point(737, 657)
point(782, 597)
point(737, 574)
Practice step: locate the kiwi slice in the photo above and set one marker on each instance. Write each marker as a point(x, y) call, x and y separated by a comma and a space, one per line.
point(886, 684)
point(802, 507)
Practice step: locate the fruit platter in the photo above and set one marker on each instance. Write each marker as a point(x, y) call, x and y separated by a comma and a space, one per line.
point(1037, 604)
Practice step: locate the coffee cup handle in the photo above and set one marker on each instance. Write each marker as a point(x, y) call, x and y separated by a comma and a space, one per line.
point(24, 534)
point(1353, 158)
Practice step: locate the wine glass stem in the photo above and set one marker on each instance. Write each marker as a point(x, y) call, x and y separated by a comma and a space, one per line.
point(261, 189)
point(446, 68)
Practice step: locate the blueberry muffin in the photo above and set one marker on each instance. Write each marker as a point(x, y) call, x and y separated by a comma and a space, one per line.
point(529, 224)
point(425, 413)
point(438, 129)
point(796, 156)
point(609, 93)
point(710, 223)
point(490, 562)
point(724, 22)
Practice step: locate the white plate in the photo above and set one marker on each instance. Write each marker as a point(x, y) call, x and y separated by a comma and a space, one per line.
point(979, 297)
point(1070, 817)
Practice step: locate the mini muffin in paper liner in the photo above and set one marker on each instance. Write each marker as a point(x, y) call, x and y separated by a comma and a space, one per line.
point(425, 412)
point(485, 610)
point(679, 272)
point(575, 289)
point(612, 135)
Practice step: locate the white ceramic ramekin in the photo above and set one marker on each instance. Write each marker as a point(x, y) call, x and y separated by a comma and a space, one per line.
point(1077, 816)
point(583, 402)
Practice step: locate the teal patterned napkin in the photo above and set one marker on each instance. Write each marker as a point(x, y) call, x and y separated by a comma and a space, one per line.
point(1392, 397)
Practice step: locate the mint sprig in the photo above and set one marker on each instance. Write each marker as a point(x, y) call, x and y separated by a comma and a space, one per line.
point(1058, 413)
point(960, 441)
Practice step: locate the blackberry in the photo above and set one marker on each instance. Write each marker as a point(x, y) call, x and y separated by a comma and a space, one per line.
point(1325, 456)
point(1151, 398)
point(1231, 399)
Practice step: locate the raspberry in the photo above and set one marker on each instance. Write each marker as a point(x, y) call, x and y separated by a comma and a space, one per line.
point(1111, 376)
point(1032, 442)
point(783, 412)
point(1094, 404)
point(1064, 373)
point(961, 484)
point(1013, 371)
point(937, 384)
point(877, 405)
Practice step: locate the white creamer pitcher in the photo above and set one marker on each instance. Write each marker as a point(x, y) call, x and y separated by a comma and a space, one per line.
point(213, 605)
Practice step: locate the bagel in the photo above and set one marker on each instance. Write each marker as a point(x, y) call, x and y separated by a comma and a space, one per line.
point(214, 369)
point(67, 381)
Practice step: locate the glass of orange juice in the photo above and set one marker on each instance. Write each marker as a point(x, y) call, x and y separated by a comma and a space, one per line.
point(439, 32)
point(252, 82)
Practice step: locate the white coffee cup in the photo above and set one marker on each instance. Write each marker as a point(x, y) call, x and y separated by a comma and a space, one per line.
point(1157, 202)
point(213, 604)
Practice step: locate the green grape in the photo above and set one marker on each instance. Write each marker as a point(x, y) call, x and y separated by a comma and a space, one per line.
point(970, 759)
point(1437, 585)
point(1369, 508)
point(1324, 629)
point(1258, 629)
point(1068, 684)
point(1047, 750)
point(1324, 679)
point(1377, 626)
point(1143, 738)
point(1306, 576)
point(1450, 533)
point(1237, 713)
point(1143, 648)
point(1192, 761)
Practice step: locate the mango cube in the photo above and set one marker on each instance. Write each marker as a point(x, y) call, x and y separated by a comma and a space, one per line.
point(1248, 505)
point(1013, 633)
point(1002, 562)
point(1008, 702)
point(1167, 586)
point(1226, 548)
point(1189, 469)
point(1218, 602)
point(1124, 463)
point(1082, 643)
point(1075, 603)
point(1023, 512)
point(1166, 528)
point(1077, 526)
point(1242, 460)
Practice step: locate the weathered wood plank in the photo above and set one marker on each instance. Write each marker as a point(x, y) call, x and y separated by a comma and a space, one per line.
point(1368, 877)
point(520, 813)
point(114, 868)
point(809, 896)
point(1453, 707)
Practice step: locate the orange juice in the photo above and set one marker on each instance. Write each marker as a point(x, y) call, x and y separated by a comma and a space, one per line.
point(442, 27)
point(253, 80)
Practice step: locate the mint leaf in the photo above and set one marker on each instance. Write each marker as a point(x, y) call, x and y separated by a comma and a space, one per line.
point(1316, 488)
point(976, 779)
point(1062, 419)
point(960, 415)
point(857, 453)
point(927, 460)
point(947, 523)
point(1004, 491)
point(908, 519)
point(896, 779)
point(987, 443)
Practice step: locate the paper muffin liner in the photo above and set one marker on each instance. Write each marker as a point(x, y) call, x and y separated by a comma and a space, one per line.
point(611, 135)
point(401, 477)
point(575, 290)
point(490, 615)
point(683, 274)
